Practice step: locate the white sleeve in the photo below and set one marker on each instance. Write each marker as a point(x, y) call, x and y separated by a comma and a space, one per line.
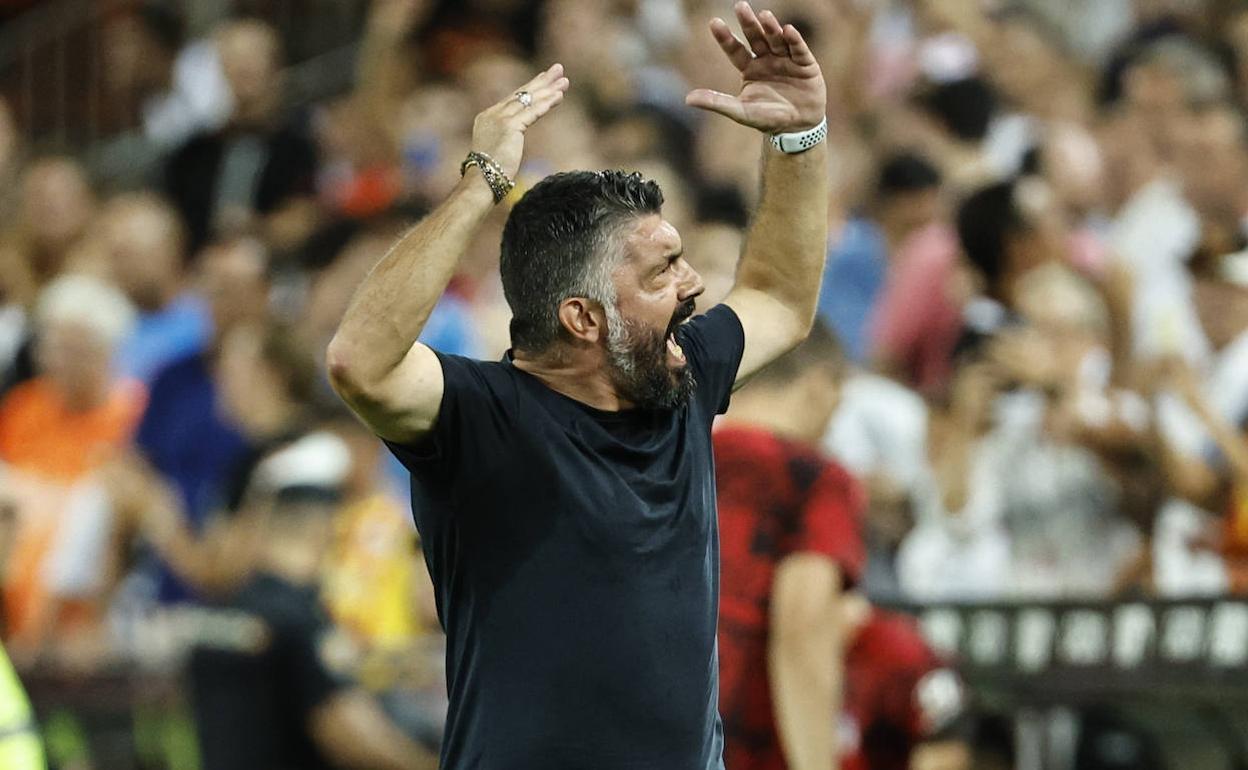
point(77, 560)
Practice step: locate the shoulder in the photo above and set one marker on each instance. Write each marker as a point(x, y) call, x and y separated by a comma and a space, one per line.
point(466, 373)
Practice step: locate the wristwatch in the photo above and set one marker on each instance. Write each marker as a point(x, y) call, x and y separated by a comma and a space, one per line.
point(800, 141)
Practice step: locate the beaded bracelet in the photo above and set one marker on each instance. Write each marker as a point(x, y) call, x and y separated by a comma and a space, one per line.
point(500, 184)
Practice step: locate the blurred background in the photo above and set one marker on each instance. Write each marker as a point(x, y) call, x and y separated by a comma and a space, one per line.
point(1037, 272)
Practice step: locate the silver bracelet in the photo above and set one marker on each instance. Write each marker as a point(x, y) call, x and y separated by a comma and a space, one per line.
point(800, 141)
point(500, 184)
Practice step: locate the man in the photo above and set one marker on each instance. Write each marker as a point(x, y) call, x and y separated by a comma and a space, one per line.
point(907, 198)
point(565, 495)
point(144, 243)
point(257, 172)
point(270, 682)
point(791, 542)
point(186, 434)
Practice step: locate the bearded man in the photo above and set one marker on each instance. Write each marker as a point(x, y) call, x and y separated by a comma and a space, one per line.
point(566, 494)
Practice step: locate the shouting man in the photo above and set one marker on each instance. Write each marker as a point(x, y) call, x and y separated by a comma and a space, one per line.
point(566, 494)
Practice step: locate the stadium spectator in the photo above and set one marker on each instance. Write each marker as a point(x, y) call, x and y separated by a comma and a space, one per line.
point(178, 87)
point(257, 173)
point(143, 241)
point(278, 692)
point(789, 528)
point(184, 432)
point(907, 198)
point(55, 429)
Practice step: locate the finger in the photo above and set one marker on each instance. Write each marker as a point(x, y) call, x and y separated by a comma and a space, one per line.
point(540, 106)
point(714, 101)
point(737, 52)
point(799, 52)
point(774, 33)
point(752, 29)
point(513, 107)
point(544, 78)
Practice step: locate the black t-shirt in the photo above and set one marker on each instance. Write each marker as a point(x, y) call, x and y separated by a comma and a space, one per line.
point(575, 553)
point(257, 673)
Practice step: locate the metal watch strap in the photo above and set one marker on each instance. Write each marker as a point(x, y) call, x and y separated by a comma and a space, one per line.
point(800, 141)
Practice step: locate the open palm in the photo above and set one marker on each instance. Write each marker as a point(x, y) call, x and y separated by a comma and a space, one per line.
point(781, 84)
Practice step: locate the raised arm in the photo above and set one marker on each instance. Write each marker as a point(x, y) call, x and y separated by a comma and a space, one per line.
point(391, 381)
point(782, 91)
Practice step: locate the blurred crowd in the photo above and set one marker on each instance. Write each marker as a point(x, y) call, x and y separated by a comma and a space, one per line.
point(1037, 273)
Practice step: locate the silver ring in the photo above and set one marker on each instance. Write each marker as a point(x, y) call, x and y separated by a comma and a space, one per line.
point(524, 97)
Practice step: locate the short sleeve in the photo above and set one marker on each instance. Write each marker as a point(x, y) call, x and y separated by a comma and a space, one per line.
point(714, 343)
point(478, 401)
point(832, 522)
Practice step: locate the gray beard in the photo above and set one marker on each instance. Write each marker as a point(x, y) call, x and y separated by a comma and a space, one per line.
point(637, 359)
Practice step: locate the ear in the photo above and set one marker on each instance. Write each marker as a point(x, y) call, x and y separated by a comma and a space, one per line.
point(583, 319)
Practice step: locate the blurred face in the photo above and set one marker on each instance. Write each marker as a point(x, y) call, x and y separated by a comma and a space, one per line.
point(133, 60)
point(655, 292)
point(144, 250)
point(56, 203)
point(903, 213)
point(233, 280)
point(1046, 236)
point(1213, 163)
point(1155, 93)
point(77, 361)
point(1033, 63)
point(1075, 169)
point(250, 61)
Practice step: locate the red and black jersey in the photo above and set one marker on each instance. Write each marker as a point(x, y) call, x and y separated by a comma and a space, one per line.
point(898, 693)
point(776, 498)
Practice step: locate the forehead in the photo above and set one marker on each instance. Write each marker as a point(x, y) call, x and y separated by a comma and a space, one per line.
point(650, 238)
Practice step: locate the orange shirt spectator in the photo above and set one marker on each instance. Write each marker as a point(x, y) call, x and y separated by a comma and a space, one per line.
point(41, 435)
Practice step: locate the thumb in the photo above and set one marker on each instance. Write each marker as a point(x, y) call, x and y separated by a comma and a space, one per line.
point(714, 101)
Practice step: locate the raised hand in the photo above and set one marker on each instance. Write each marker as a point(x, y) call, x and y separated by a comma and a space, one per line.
point(782, 86)
point(499, 130)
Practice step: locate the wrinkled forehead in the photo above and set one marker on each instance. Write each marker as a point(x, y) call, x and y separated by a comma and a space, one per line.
point(649, 238)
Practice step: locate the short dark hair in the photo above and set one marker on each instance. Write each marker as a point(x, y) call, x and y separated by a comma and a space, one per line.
point(906, 172)
point(820, 348)
point(965, 107)
point(986, 220)
point(555, 246)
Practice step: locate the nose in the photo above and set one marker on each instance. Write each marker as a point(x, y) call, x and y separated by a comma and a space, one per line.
point(691, 284)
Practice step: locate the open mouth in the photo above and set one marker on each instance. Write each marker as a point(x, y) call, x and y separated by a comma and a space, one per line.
point(682, 316)
point(674, 350)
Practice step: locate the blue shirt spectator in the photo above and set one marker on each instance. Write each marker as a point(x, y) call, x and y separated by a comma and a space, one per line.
point(161, 337)
point(852, 282)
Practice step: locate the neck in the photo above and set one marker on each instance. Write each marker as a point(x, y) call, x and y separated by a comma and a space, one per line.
point(777, 412)
point(581, 376)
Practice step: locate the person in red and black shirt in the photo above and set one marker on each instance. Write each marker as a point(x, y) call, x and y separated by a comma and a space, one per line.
point(790, 544)
point(904, 708)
